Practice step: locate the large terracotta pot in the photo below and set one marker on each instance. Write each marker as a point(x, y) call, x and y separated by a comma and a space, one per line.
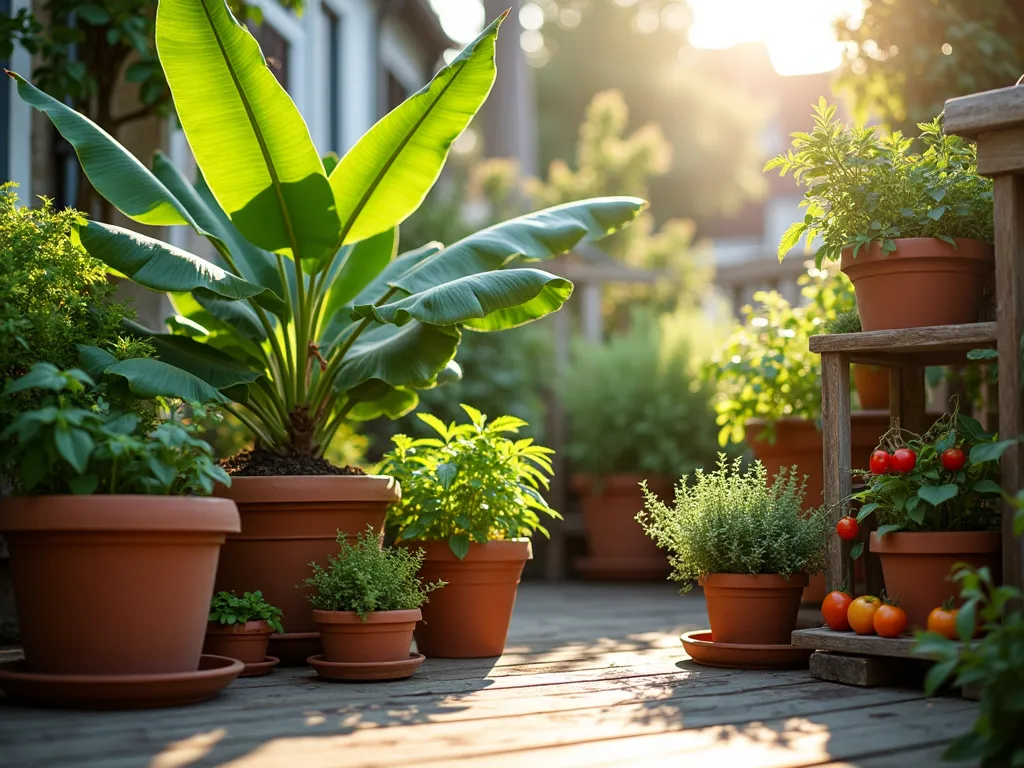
point(246, 642)
point(925, 281)
point(872, 385)
point(798, 442)
point(916, 566)
point(617, 546)
point(114, 585)
point(469, 618)
point(287, 523)
point(384, 635)
point(752, 609)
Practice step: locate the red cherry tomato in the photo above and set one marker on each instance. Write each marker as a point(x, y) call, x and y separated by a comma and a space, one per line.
point(953, 459)
point(847, 528)
point(880, 462)
point(904, 460)
point(834, 609)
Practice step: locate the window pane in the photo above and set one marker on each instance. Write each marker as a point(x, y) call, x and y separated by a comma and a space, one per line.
point(333, 79)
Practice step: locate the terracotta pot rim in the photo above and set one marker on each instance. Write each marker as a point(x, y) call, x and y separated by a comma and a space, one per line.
point(753, 581)
point(795, 421)
point(921, 247)
point(123, 513)
point(501, 550)
point(298, 489)
point(936, 542)
point(248, 628)
point(377, 617)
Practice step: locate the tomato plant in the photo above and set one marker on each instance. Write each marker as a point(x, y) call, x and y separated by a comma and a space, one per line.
point(942, 620)
point(890, 620)
point(861, 614)
point(953, 459)
point(903, 460)
point(880, 462)
point(847, 528)
point(834, 608)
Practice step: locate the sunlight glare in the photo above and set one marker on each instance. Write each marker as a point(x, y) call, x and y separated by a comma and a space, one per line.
point(799, 34)
point(462, 20)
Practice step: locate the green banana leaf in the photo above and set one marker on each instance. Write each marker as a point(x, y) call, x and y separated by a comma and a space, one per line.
point(246, 133)
point(238, 315)
point(387, 174)
point(359, 264)
point(149, 378)
point(410, 356)
point(377, 399)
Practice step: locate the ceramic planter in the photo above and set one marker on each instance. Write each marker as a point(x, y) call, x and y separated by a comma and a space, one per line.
point(916, 566)
point(617, 545)
point(132, 575)
point(469, 618)
point(872, 385)
point(246, 642)
point(746, 609)
point(925, 281)
point(287, 523)
point(385, 636)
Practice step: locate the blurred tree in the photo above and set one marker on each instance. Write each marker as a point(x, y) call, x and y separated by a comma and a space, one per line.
point(905, 59)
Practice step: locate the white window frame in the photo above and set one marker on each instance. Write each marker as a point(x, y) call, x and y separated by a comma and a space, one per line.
point(291, 28)
point(19, 130)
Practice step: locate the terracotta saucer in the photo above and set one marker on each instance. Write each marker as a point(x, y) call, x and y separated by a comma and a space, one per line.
point(293, 648)
point(119, 691)
point(704, 650)
point(383, 670)
point(260, 668)
point(641, 568)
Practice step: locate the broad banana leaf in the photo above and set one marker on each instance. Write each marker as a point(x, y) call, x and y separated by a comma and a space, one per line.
point(235, 314)
point(149, 378)
point(246, 133)
point(386, 175)
point(410, 356)
point(359, 264)
point(376, 399)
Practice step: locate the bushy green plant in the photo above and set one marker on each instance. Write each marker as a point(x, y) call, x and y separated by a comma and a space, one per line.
point(637, 403)
point(469, 484)
point(62, 447)
point(731, 520)
point(228, 608)
point(364, 577)
point(863, 188)
point(847, 321)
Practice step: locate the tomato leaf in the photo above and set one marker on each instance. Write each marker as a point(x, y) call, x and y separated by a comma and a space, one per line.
point(937, 494)
point(986, 486)
point(967, 620)
point(866, 510)
point(884, 529)
point(857, 550)
point(989, 451)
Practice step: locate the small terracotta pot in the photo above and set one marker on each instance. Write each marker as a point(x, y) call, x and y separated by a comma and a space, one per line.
point(609, 505)
point(872, 384)
point(916, 566)
point(246, 642)
point(751, 609)
point(384, 636)
point(132, 575)
point(287, 523)
point(469, 618)
point(925, 281)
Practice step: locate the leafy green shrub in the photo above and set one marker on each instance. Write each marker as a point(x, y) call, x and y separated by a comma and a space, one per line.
point(364, 577)
point(62, 447)
point(733, 521)
point(862, 188)
point(637, 403)
point(847, 321)
point(471, 485)
point(228, 608)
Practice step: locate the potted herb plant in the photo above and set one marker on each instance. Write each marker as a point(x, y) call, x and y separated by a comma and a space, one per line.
point(747, 542)
point(470, 498)
point(913, 231)
point(366, 603)
point(109, 503)
point(937, 500)
point(650, 424)
point(240, 628)
point(308, 319)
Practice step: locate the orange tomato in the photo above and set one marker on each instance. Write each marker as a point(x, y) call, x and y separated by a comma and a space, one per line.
point(861, 614)
point(942, 620)
point(834, 608)
point(890, 621)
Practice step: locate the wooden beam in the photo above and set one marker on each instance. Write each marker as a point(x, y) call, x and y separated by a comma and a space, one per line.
point(1001, 151)
point(978, 113)
point(938, 338)
point(835, 428)
point(907, 398)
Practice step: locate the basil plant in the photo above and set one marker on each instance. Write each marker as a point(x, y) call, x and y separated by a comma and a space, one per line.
point(308, 317)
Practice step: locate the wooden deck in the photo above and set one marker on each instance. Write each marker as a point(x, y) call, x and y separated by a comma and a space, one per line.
point(594, 675)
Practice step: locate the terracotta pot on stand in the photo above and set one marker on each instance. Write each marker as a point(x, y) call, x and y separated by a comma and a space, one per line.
point(916, 566)
point(798, 443)
point(469, 618)
point(374, 648)
point(287, 523)
point(246, 642)
point(872, 385)
point(618, 547)
point(133, 577)
point(925, 281)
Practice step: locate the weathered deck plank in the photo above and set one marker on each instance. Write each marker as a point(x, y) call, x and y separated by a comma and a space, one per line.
point(594, 676)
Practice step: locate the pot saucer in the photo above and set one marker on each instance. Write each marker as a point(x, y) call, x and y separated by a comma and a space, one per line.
point(704, 650)
point(119, 691)
point(381, 670)
point(642, 568)
point(293, 648)
point(260, 668)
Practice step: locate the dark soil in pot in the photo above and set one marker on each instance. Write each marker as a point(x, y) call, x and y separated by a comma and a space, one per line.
point(260, 463)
